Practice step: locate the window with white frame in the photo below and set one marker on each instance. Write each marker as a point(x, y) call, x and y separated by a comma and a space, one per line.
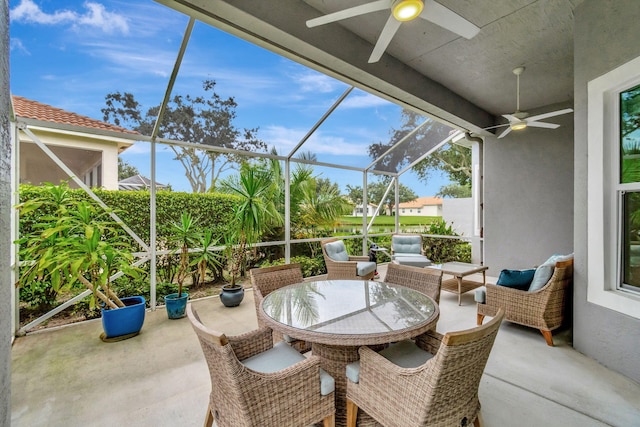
point(613, 220)
point(628, 189)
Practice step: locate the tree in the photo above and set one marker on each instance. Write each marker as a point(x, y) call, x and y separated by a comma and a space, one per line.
point(125, 170)
point(376, 190)
point(452, 159)
point(207, 121)
point(455, 191)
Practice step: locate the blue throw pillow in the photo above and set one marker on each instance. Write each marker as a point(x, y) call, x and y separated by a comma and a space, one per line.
point(518, 279)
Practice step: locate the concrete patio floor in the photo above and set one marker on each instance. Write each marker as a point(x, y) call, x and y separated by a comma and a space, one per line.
point(69, 377)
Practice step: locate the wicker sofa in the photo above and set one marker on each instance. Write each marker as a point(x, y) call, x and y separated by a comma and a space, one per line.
point(542, 309)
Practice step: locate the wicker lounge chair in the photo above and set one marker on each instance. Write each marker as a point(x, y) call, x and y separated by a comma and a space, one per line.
point(542, 309)
point(266, 280)
point(425, 280)
point(254, 383)
point(432, 382)
point(340, 265)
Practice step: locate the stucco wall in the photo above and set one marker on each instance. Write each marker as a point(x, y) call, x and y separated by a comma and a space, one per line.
point(459, 213)
point(528, 199)
point(606, 37)
point(5, 212)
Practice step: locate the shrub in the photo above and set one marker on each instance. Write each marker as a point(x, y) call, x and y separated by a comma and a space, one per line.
point(441, 250)
point(310, 266)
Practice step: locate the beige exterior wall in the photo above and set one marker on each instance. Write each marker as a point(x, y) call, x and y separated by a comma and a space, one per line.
point(86, 155)
point(426, 210)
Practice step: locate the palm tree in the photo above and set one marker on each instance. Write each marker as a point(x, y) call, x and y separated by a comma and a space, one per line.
point(255, 213)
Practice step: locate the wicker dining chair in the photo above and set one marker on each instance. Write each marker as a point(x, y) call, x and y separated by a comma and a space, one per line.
point(254, 383)
point(433, 381)
point(266, 280)
point(425, 280)
point(348, 266)
point(543, 309)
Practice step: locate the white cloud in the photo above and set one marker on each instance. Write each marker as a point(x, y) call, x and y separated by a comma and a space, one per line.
point(285, 139)
point(27, 11)
point(316, 82)
point(98, 17)
point(364, 100)
point(17, 45)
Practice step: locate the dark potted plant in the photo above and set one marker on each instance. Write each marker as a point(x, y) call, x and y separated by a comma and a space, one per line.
point(75, 241)
point(232, 293)
point(255, 212)
point(186, 235)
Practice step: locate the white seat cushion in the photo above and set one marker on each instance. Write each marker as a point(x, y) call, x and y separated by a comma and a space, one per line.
point(405, 354)
point(282, 356)
point(337, 251)
point(364, 268)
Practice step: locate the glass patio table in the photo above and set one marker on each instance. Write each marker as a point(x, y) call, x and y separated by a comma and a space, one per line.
point(338, 316)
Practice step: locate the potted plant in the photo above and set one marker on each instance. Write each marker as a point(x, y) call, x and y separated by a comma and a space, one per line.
point(253, 214)
point(75, 241)
point(186, 235)
point(232, 293)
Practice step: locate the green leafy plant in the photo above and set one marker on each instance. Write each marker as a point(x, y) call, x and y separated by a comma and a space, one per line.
point(74, 241)
point(185, 234)
point(208, 259)
point(441, 250)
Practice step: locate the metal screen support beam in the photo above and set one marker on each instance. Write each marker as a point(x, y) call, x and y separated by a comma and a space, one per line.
point(397, 206)
point(397, 144)
point(287, 211)
point(365, 209)
point(384, 196)
point(154, 136)
point(319, 122)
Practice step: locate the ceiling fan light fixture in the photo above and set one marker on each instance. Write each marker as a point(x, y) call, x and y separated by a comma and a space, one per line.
point(518, 125)
point(406, 10)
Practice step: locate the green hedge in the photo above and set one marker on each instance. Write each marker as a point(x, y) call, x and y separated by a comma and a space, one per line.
point(211, 210)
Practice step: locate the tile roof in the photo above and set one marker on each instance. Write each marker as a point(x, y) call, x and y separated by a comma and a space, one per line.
point(29, 109)
point(421, 201)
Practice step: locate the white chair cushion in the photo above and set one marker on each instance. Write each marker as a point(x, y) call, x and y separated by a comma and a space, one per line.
point(282, 356)
point(364, 268)
point(481, 295)
point(337, 251)
point(405, 354)
point(407, 244)
point(413, 260)
point(545, 271)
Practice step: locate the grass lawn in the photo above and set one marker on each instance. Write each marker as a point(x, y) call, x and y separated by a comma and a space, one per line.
point(390, 220)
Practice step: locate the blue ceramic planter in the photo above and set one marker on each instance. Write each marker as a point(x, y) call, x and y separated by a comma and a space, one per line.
point(124, 320)
point(231, 296)
point(176, 306)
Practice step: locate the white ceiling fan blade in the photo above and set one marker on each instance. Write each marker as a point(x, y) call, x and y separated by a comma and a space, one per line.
point(505, 132)
point(542, 125)
point(551, 114)
point(386, 35)
point(496, 127)
point(440, 15)
point(511, 118)
point(350, 12)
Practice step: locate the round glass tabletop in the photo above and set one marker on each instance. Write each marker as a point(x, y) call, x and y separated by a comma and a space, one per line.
point(349, 307)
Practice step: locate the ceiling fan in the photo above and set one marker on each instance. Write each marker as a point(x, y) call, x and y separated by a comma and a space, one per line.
point(402, 11)
point(521, 120)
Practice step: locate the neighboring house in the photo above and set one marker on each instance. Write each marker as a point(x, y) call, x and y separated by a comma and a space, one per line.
point(357, 210)
point(139, 182)
point(91, 156)
point(422, 206)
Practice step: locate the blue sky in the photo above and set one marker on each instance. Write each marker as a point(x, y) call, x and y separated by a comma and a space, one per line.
point(71, 54)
